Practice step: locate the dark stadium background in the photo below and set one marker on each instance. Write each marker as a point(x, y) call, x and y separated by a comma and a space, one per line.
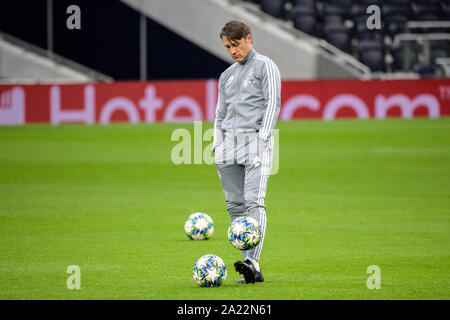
point(109, 40)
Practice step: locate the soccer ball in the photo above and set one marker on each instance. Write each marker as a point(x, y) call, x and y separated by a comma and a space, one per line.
point(199, 226)
point(244, 233)
point(209, 271)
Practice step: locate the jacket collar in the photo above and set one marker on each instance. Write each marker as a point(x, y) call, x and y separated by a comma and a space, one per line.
point(249, 56)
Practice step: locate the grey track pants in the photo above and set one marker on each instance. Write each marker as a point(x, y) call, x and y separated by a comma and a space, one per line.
point(244, 162)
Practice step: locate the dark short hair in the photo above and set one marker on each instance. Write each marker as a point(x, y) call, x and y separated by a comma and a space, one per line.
point(235, 30)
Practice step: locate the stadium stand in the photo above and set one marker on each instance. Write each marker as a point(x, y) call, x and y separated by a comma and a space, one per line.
point(414, 35)
point(297, 54)
point(309, 39)
point(107, 46)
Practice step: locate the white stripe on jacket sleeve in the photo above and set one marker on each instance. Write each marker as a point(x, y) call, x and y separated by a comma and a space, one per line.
point(272, 93)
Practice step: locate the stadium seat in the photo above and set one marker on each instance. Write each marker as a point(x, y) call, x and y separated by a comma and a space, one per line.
point(367, 3)
point(405, 3)
point(426, 11)
point(345, 4)
point(358, 10)
point(395, 24)
point(427, 17)
point(304, 19)
point(395, 18)
point(430, 71)
point(374, 59)
point(333, 10)
point(395, 10)
point(338, 35)
point(362, 33)
point(446, 11)
point(360, 19)
point(305, 3)
point(371, 53)
point(332, 20)
point(405, 56)
point(273, 7)
point(369, 45)
point(439, 49)
point(428, 2)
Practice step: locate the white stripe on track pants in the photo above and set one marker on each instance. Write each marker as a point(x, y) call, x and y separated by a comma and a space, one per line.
point(244, 162)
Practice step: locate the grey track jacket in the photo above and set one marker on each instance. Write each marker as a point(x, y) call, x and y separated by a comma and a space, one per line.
point(249, 97)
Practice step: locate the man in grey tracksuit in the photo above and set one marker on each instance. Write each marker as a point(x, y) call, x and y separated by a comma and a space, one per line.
point(247, 111)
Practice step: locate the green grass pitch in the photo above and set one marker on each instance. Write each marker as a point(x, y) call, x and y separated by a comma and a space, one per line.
point(349, 194)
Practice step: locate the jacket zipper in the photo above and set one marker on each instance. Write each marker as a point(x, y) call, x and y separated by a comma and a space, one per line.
point(238, 95)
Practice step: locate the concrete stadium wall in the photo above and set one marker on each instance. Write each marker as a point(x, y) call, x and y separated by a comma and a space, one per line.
point(20, 65)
